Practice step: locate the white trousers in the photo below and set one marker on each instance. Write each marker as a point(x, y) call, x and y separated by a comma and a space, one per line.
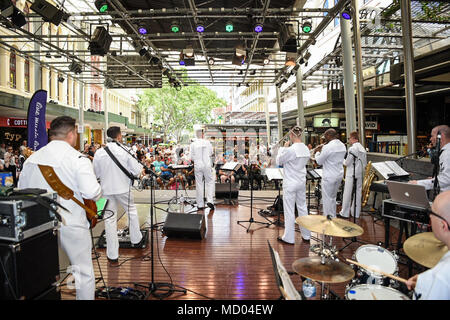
point(77, 244)
point(206, 173)
point(112, 241)
point(290, 198)
point(347, 197)
point(330, 188)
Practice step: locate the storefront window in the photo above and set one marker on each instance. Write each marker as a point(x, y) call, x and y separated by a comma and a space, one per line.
point(12, 69)
point(27, 75)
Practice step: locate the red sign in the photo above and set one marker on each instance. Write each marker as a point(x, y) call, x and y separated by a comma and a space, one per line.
point(17, 123)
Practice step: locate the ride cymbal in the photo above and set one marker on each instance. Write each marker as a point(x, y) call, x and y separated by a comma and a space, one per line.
point(425, 249)
point(329, 272)
point(330, 226)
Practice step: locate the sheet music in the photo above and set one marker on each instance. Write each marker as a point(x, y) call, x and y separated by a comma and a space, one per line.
point(274, 173)
point(388, 169)
point(230, 166)
point(288, 286)
point(394, 166)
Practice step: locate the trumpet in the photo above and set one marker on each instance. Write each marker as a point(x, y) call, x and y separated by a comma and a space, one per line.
point(318, 147)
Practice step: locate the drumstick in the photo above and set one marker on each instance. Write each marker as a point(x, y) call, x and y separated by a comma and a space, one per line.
point(374, 298)
point(377, 271)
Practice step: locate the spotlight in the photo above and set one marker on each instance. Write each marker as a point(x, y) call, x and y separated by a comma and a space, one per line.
point(175, 26)
point(100, 42)
point(258, 27)
point(266, 60)
point(185, 60)
point(143, 52)
point(48, 55)
point(200, 27)
point(18, 18)
point(302, 61)
point(142, 30)
point(229, 26)
point(6, 8)
point(182, 63)
point(75, 67)
point(189, 51)
point(61, 79)
point(49, 12)
point(211, 61)
point(101, 5)
point(154, 61)
point(346, 14)
point(307, 27)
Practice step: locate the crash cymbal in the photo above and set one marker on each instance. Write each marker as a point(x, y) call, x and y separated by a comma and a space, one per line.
point(425, 249)
point(330, 226)
point(329, 272)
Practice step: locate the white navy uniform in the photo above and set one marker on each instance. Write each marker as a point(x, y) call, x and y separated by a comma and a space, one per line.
point(434, 284)
point(116, 188)
point(201, 151)
point(331, 158)
point(361, 161)
point(294, 160)
point(444, 171)
point(76, 172)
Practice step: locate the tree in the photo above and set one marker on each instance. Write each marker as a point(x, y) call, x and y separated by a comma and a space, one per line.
point(177, 110)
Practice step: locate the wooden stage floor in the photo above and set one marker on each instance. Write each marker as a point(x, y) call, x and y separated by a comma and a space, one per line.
point(230, 263)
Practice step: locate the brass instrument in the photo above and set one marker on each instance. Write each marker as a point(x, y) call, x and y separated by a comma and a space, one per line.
point(369, 175)
point(285, 137)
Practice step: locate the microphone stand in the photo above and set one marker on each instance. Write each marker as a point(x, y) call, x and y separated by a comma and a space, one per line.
point(152, 286)
point(436, 187)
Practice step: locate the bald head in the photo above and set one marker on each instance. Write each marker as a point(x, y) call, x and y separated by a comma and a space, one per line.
point(441, 226)
point(444, 131)
point(441, 205)
point(330, 134)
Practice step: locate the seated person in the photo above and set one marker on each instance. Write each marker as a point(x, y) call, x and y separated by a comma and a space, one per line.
point(226, 175)
point(189, 178)
point(166, 178)
point(254, 172)
point(242, 175)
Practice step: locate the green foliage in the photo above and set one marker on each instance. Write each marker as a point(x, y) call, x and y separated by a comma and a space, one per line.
point(178, 110)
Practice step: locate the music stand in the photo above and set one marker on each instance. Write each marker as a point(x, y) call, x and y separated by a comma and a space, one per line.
point(275, 174)
point(251, 220)
point(232, 167)
point(312, 175)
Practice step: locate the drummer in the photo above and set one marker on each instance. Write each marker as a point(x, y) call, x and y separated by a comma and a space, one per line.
point(434, 284)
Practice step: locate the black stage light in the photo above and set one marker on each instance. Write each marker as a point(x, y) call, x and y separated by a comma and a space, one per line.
point(61, 79)
point(100, 42)
point(75, 67)
point(143, 52)
point(49, 12)
point(287, 39)
point(6, 8)
point(101, 5)
point(18, 18)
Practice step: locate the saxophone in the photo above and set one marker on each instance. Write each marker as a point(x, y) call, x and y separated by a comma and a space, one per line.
point(369, 175)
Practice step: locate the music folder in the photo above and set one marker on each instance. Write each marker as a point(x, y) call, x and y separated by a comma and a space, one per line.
point(230, 166)
point(389, 169)
point(274, 173)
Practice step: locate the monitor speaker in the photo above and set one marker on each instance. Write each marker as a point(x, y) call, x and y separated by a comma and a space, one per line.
point(223, 190)
point(184, 225)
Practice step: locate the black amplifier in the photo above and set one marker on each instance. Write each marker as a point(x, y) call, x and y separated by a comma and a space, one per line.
point(21, 219)
point(404, 212)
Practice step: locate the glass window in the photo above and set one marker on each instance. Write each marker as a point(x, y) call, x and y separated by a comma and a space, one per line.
point(325, 6)
point(50, 91)
point(12, 69)
point(27, 75)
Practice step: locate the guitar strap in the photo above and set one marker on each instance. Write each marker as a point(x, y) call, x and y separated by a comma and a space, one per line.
point(127, 173)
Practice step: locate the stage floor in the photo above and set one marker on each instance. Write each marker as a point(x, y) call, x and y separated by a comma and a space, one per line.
point(230, 263)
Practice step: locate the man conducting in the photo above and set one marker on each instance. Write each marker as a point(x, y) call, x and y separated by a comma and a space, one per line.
point(443, 177)
point(116, 184)
point(331, 157)
point(75, 171)
point(201, 152)
point(434, 284)
point(356, 155)
point(294, 160)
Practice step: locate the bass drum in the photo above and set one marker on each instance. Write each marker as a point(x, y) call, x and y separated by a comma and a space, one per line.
point(373, 292)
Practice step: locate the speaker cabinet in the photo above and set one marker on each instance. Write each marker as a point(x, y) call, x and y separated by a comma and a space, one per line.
point(184, 225)
point(30, 267)
point(223, 190)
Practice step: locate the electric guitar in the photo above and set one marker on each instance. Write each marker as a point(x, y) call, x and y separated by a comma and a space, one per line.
point(65, 192)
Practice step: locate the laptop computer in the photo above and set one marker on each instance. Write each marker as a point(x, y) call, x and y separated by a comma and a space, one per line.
point(408, 194)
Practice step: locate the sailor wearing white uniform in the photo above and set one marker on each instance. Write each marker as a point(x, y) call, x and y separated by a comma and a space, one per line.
point(356, 155)
point(294, 160)
point(331, 157)
point(116, 186)
point(201, 152)
point(76, 172)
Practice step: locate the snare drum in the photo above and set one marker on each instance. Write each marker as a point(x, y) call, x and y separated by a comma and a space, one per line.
point(373, 292)
point(378, 258)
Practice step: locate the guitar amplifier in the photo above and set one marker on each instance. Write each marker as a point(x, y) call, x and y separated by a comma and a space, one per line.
point(21, 219)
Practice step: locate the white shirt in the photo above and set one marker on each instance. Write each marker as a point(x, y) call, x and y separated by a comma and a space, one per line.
point(73, 169)
point(444, 171)
point(434, 284)
point(332, 159)
point(293, 160)
point(201, 151)
point(361, 160)
point(112, 179)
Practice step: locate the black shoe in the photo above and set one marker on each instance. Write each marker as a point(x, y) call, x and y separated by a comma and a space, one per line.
point(113, 262)
point(281, 240)
point(210, 205)
point(304, 240)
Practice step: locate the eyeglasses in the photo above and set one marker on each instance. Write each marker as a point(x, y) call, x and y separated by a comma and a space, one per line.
point(431, 213)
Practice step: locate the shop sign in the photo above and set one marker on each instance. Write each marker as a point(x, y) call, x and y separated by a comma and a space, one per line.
point(370, 125)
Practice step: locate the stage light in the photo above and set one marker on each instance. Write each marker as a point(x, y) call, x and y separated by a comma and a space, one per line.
point(258, 27)
point(182, 63)
point(307, 27)
point(200, 27)
point(211, 61)
point(175, 27)
point(61, 79)
point(75, 67)
point(101, 5)
point(189, 51)
point(49, 12)
point(185, 60)
point(142, 30)
point(266, 60)
point(143, 52)
point(229, 27)
point(290, 62)
point(18, 18)
point(100, 42)
point(346, 14)
point(6, 8)
point(287, 38)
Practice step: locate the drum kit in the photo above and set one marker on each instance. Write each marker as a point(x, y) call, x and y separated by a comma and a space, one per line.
point(374, 274)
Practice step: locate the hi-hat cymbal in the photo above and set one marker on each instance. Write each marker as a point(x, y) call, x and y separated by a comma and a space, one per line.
point(329, 272)
point(330, 226)
point(425, 249)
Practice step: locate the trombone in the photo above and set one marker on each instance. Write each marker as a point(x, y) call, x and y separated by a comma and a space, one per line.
point(285, 137)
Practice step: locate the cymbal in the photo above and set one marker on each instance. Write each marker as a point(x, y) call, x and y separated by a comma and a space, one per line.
point(330, 226)
point(329, 272)
point(425, 249)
